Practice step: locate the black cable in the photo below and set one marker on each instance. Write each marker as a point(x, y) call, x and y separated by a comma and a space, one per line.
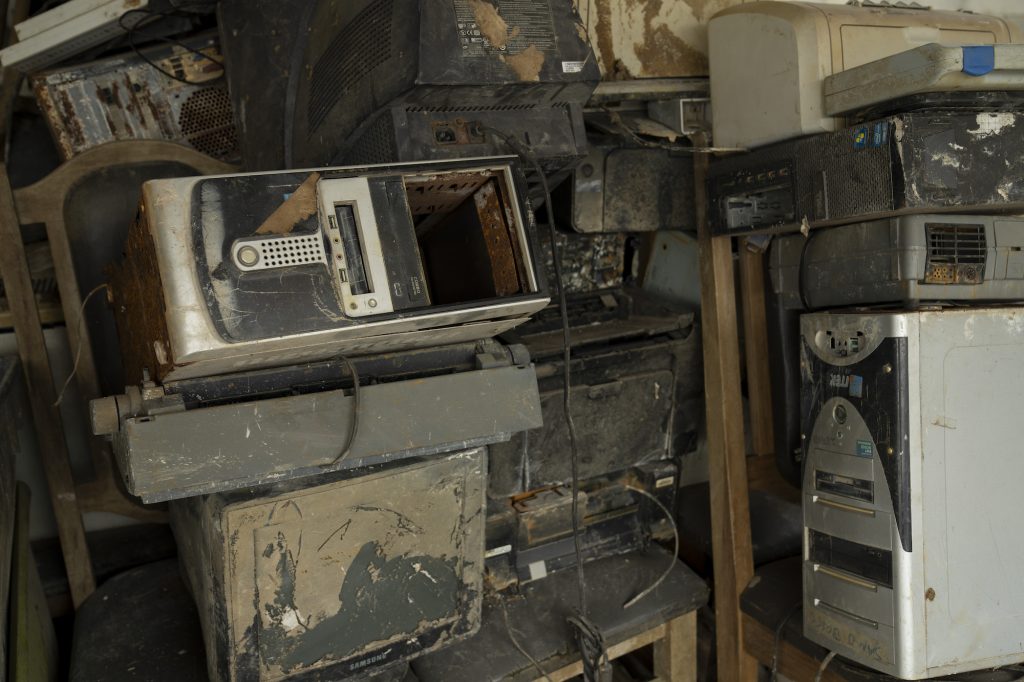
point(778, 638)
point(524, 462)
point(587, 633)
point(801, 277)
point(515, 642)
point(130, 32)
point(353, 428)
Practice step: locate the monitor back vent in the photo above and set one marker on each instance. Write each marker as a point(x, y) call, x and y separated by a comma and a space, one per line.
point(359, 48)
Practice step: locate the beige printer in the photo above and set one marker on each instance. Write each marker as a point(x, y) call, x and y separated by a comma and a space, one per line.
point(768, 59)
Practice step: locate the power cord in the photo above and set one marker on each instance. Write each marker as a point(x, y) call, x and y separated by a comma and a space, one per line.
point(353, 428)
point(130, 32)
point(675, 547)
point(591, 642)
point(515, 641)
point(78, 346)
point(778, 638)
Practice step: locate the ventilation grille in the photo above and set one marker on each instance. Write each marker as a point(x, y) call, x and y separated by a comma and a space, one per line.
point(207, 123)
point(486, 107)
point(359, 48)
point(956, 254)
point(375, 145)
point(278, 252)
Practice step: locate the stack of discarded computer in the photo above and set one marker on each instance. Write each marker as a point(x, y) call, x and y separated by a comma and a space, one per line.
point(320, 360)
point(903, 176)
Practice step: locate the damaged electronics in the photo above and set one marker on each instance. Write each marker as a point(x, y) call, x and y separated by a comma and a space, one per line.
point(530, 535)
point(229, 273)
point(69, 29)
point(625, 187)
point(768, 60)
point(340, 576)
point(199, 436)
point(909, 427)
point(379, 81)
point(167, 92)
point(911, 261)
point(920, 162)
point(635, 390)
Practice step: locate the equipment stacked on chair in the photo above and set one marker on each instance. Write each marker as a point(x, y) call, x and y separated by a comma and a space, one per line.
point(239, 301)
point(879, 411)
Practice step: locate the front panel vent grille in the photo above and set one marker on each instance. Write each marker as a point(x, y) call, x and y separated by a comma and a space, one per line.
point(956, 254)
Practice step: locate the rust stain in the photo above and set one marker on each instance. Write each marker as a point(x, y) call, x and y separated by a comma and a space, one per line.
point(72, 126)
point(526, 65)
point(299, 206)
point(492, 26)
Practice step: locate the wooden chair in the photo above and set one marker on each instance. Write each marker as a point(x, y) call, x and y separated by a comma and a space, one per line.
point(86, 206)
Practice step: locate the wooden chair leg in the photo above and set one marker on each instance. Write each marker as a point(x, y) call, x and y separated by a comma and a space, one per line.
point(675, 655)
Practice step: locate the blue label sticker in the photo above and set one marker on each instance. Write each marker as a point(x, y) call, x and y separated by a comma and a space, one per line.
point(860, 138)
point(856, 386)
point(864, 448)
point(880, 134)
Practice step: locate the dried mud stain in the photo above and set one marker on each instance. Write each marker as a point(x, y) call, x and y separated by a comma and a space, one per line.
point(527, 64)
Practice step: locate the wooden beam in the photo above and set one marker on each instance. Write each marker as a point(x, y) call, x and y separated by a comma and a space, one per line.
point(727, 467)
point(635, 642)
point(675, 654)
point(759, 641)
point(53, 449)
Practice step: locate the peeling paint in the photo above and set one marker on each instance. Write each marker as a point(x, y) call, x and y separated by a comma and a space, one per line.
point(650, 38)
point(992, 123)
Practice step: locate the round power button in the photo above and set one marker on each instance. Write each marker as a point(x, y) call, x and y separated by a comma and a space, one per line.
point(248, 256)
point(839, 414)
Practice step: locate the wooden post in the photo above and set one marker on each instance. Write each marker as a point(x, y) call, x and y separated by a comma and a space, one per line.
point(730, 506)
point(762, 470)
point(49, 428)
point(675, 655)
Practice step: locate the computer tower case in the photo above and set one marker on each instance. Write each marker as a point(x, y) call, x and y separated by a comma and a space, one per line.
point(378, 81)
point(921, 162)
point(909, 261)
point(636, 393)
point(227, 432)
point(128, 98)
point(912, 463)
point(530, 536)
point(230, 273)
point(335, 579)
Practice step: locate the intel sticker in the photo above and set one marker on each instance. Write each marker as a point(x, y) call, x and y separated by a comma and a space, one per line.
point(856, 386)
point(864, 448)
